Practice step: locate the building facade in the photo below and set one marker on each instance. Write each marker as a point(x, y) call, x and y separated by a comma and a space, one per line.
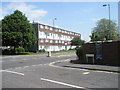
point(52, 38)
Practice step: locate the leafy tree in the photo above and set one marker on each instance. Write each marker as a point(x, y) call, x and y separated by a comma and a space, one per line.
point(76, 41)
point(17, 31)
point(104, 31)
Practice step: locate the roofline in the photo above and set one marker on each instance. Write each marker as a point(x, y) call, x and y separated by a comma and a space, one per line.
point(55, 27)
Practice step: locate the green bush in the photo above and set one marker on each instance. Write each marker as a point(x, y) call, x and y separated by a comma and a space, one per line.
point(42, 50)
point(8, 51)
point(79, 53)
point(19, 50)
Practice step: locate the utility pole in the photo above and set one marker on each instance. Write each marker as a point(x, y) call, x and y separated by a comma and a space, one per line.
point(53, 34)
point(109, 19)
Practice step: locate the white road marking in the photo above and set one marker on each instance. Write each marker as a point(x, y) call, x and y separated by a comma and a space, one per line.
point(24, 59)
point(66, 84)
point(53, 65)
point(26, 66)
point(45, 64)
point(39, 64)
point(2, 61)
point(18, 68)
point(99, 71)
point(13, 72)
point(34, 65)
point(86, 73)
point(108, 72)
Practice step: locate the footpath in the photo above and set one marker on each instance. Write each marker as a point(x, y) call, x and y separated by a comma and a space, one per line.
point(89, 66)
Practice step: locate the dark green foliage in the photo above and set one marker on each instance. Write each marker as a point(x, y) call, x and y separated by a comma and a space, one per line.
point(17, 31)
point(42, 50)
point(11, 51)
point(76, 41)
point(19, 50)
point(79, 53)
point(104, 31)
point(12, 39)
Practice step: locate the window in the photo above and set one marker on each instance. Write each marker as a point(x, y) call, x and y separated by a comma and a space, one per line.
point(51, 41)
point(56, 41)
point(59, 30)
point(60, 35)
point(46, 40)
point(41, 40)
point(41, 26)
point(46, 27)
point(62, 41)
point(51, 28)
point(59, 41)
point(56, 29)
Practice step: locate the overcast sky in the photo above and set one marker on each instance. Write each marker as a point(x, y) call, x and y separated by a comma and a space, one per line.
point(79, 17)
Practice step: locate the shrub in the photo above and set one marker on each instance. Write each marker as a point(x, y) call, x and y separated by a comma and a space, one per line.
point(42, 50)
point(79, 53)
point(8, 51)
point(19, 50)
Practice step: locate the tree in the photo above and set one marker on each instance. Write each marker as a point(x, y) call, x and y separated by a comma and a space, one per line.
point(17, 31)
point(76, 41)
point(104, 31)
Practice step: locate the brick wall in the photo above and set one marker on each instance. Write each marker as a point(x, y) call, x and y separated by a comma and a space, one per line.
point(110, 52)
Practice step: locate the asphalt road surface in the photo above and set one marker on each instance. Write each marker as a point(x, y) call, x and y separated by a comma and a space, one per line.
point(36, 71)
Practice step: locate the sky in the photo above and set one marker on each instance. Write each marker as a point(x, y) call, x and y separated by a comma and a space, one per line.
point(80, 17)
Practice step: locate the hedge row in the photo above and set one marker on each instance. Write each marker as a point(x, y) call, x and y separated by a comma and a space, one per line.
point(10, 51)
point(79, 53)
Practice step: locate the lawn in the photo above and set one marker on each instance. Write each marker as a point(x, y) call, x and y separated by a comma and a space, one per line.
point(32, 53)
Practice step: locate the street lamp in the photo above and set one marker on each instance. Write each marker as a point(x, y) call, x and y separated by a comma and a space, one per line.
point(49, 53)
point(53, 34)
point(109, 15)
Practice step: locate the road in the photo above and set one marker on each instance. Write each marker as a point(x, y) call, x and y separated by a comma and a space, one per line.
point(35, 71)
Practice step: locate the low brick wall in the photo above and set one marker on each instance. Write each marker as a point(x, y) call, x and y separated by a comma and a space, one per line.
point(110, 52)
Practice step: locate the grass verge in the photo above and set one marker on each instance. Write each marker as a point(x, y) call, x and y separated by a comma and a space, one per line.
point(32, 53)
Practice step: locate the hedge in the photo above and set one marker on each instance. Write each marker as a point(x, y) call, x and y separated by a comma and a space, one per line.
point(79, 53)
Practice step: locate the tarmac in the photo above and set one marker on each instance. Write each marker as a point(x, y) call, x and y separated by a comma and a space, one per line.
point(88, 66)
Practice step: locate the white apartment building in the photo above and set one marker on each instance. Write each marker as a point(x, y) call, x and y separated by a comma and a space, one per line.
point(52, 38)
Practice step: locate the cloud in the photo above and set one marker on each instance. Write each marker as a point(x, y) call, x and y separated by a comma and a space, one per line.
point(31, 11)
point(95, 19)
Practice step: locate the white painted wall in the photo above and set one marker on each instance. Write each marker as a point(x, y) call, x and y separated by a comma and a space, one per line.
point(55, 48)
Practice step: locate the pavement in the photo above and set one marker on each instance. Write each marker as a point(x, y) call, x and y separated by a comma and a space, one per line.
point(68, 64)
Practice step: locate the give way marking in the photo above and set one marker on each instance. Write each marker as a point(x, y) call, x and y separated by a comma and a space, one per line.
point(12, 72)
point(66, 84)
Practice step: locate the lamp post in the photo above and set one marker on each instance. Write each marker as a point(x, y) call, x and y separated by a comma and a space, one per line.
point(109, 15)
point(53, 34)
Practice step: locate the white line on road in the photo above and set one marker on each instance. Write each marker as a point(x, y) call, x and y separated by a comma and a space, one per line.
point(12, 72)
point(25, 66)
point(86, 73)
point(1, 61)
point(39, 64)
point(17, 67)
point(34, 65)
point(53, 65)
point(66, 84)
